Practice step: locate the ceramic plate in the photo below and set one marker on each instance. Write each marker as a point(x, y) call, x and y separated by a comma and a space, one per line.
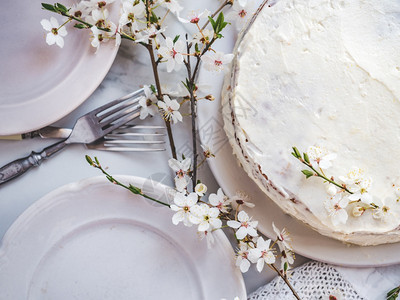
point(94, 240)
point(232, 178)
point(40, 84)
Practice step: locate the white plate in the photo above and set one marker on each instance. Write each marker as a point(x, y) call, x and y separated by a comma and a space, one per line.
point(94, 240)
point(40, 84)
point(232, 178)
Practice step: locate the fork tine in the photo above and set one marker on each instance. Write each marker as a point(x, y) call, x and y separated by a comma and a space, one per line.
point(111, 142)
point(118, 107)
point(125, 149)
point(121, 121)
point(130, 134)
point(117, 101)
point(130, 126)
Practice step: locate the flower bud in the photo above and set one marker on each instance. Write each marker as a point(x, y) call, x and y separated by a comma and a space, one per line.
point(331, 190)
point(200, 189)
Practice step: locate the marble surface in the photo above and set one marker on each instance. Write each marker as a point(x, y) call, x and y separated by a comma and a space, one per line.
point(129, 71)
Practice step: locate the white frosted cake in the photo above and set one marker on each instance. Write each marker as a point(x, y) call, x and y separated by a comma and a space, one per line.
point(324, 76)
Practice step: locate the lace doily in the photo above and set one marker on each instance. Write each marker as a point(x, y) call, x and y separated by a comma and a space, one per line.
point(313, 280)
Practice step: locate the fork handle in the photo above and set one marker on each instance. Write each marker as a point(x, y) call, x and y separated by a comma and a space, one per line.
point(20, 166)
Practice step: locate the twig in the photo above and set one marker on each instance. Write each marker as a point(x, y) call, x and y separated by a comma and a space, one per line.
point(286, 281)
point(227, 2)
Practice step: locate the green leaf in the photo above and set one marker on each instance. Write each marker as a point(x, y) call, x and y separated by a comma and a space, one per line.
point(308, 173)
point(96, 160)
point(176, 38)
point(393, 294)
point(296, 152)
point(153, 89)
point(285, 267)
point(48, 7)
point(196, 48)
point(61, 8)
point(213, 24)
point(135, 189)
point(306, 159)
point(153, 18)
point(80, 26)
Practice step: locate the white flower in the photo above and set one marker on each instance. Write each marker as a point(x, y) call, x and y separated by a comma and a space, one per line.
point(172, 5)
point(244, 226)
point(241, 198)
point(183, 205)
point(209, 237)
point(98, 37)
point(206, 217)
point(242, 260)
point(262, 254)
point(321, 156)
point(360, 191)
point(132, 11)
point(335, 295)
point(99, 18)
point(79, 10)
point(215, 61)
point(383, 213)
point(200, 189)
point(148, 103)
point(172, 52)
point(240, 12)
point(283, 238)
point(97, 4)
point(195, 16)
point(149, 33)
point(287, 259)
point(336, 209)
point(219, 200)
point(182, 169)
point(331, 190)
point(203, 37)
point(207, 152)
point(358, 211)
point(56, 33)
point(170, 109)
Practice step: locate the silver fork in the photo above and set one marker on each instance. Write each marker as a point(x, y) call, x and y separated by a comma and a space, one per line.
point(131, 138)
point(87, 129)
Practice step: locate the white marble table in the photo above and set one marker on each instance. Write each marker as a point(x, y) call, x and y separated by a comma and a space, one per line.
point(129, 71)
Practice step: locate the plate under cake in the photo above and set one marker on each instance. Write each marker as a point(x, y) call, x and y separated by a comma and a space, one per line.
point(320, 73)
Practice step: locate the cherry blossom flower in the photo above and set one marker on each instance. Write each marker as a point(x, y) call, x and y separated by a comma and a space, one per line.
point(206, 217)
point(358, 184)
point(99, 36)
point(283, 238)
point(148, 103)
point(215, 61)
point(331, 189)
point(56, 33)
point(287, 259)
point(172, 52)
point(149, 33)
point(336, 209)
point(132, 11)
point(203, 37)
point(79, 10)
point(207, 152)
point(321, 156)
point(244, 226)
point(242, 260)
point(219, 200)
point(195, 16)
point(182, 169)
point(172, 5)
point(241, 198)
point(170, 109)
point(99, 18)
point(261, 254)
point(358, 211)
point(97, 4)
point(183, 206)
point(241, 12)
point(200, 189)
point(383, 213)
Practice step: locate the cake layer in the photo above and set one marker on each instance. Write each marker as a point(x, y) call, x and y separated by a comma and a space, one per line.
point(321, 73)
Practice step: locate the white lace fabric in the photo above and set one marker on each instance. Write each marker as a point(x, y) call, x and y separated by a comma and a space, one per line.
point(313, 280)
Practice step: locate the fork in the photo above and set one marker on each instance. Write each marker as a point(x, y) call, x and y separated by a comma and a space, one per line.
point(87, 129)
point(124, 139)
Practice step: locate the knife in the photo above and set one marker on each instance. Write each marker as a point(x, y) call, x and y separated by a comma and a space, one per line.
point(48, 132)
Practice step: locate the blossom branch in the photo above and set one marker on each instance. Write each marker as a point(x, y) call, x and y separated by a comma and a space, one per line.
point(284, 277)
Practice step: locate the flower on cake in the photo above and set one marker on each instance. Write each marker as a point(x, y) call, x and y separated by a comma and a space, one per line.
point(182, 170)
point(244, 226)
point(56, 32)
point(321, 156)
point(182, 206)
point(148, 103)
point(220, 201)
point(358, 211)
point(358, 184)
point(262, 254)
point(335, 207)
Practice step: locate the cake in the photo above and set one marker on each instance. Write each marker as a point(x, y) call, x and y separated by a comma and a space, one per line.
point(323, 76)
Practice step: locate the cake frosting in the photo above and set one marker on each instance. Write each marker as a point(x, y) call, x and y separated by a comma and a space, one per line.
point(320, 73)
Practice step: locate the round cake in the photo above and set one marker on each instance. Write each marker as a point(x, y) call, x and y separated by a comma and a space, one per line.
point(322, 76)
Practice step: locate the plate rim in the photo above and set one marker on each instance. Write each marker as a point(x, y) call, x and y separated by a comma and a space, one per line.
point(46, 201)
